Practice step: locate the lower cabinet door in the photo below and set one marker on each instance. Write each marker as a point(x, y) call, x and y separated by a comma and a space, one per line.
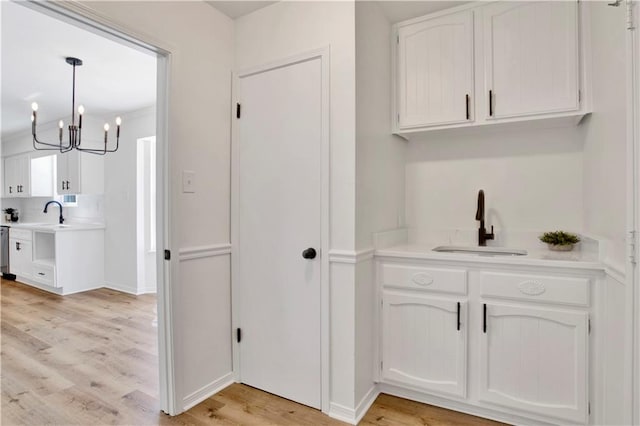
point(535, 360)
point(20, 258)
point(424, 342)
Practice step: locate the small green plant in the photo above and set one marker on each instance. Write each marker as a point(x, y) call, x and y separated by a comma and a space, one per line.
point(559, 238)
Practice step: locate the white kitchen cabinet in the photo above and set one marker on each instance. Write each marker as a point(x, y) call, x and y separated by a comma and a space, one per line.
point(435, 71)
point(59, 259)
point(535, 360)
point(17, 174)
point(79, 173)
point(531, 58)
point(518, 62)
point(20, 252)
point(425, 342)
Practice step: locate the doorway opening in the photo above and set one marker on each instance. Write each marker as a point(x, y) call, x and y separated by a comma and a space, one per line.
point(87, 207)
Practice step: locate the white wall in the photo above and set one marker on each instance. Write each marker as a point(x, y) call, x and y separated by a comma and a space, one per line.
point(201, 41)
point(380, 156)
point(604, 132)
point(120, 195)
point(532, 181)
point(380, 177)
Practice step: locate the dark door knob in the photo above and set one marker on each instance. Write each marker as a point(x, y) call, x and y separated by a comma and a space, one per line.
point(309, 253)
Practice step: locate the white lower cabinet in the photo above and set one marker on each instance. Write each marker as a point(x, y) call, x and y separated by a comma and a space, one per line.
point(425, 342)
point(535, 360)
point(20, 257)
point(513, 344)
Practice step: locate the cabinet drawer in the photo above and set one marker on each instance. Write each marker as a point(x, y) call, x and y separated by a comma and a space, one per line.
point(44, 274)
point(20, 234)
point(541, 288)
point(424, 278)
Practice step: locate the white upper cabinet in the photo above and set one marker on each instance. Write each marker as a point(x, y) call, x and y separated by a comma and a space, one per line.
point(531, 57)
point(17, 174)
point(80, 173)
point(435, 71)
point(486, 63)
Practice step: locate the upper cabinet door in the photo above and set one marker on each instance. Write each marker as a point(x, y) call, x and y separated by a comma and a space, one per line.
point(435, 71)
point(531, 57)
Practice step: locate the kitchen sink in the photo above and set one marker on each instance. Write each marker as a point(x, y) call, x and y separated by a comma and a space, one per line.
point(481, 251)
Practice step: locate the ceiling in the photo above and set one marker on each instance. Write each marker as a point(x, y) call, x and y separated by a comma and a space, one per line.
point(238, 8)
point(395, 11)
point(114, 78)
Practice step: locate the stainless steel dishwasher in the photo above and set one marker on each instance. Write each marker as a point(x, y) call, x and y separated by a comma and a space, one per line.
point(4, 253)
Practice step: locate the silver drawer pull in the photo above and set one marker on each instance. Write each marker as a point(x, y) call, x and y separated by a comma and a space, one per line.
point(422, 279)
point(531, 288)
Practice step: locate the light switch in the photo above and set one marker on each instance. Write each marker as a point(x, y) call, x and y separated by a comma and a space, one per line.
point(188, 181)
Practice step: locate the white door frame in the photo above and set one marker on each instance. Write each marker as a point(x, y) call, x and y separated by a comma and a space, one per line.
point(633, 208)
point(324, 55)
point(85, 17)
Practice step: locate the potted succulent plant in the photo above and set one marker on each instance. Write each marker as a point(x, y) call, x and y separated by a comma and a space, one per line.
point(560, 240)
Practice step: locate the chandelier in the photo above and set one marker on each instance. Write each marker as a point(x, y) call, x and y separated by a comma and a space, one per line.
point(75, 131)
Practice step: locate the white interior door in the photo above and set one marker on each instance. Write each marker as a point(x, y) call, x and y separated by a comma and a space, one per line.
point(279, 216)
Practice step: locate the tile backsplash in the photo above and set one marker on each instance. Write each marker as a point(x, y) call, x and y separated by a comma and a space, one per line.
point(90, 208)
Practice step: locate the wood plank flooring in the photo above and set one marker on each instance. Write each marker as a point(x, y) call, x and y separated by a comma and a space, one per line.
point(91, 359)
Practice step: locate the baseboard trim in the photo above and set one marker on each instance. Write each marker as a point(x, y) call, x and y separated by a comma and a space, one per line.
point(207, 391)
point(365, 403)
point(121, 287)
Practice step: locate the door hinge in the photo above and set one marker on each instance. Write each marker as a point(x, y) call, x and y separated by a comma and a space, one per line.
point(239, 334)
point(167, 255)
point(238, 110)
point(632, 235)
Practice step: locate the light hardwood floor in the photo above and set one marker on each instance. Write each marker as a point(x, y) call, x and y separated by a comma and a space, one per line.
point(90, 359)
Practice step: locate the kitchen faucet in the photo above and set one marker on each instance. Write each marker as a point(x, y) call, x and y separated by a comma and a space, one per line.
point(482, 232)
point(60, 219)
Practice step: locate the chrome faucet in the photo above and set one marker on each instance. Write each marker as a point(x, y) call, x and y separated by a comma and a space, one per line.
point(61, 218)
point(483, 236)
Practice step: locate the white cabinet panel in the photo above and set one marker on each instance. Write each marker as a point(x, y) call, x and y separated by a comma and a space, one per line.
point(80, 173)
point(17, 176)
point(435, 71)
point(424, 345)
point(20, 254)
point(535, 360)
point(531, 57)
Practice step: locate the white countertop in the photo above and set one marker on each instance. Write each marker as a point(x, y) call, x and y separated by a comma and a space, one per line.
point(54, 227)
point(535, 257)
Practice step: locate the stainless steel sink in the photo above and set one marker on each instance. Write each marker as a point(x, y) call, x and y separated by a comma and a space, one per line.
point(481, 251)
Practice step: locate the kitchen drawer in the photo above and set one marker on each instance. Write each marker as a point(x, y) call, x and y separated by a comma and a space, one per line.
point(538, 288)
point(443, 280)
point(20, 234)
point(44, 274)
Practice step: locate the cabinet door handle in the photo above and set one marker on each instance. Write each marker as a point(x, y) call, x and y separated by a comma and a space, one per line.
point(467, 98)
point(458, 316)
point(11, 190)
point(490, 103)
point(68, 185)
point(41, 273)
point(17, 246)
point(484, 317)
